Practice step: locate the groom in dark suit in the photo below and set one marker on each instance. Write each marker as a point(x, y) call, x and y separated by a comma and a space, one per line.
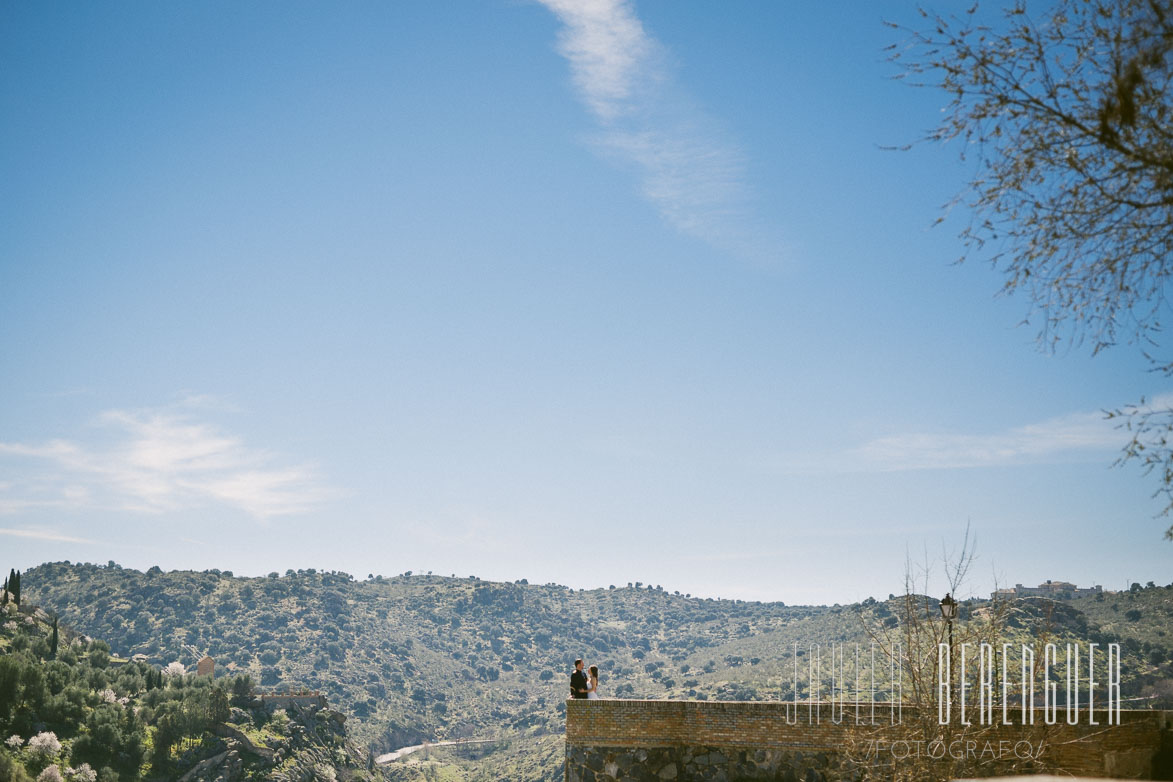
point(578, 681)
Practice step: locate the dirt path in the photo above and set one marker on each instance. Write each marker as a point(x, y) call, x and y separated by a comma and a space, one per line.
point(403, 752)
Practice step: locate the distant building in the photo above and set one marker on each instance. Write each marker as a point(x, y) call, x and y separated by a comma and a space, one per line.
point(206, 667)
point(1052, 589)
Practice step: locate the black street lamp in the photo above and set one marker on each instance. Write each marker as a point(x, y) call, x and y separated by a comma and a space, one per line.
point(949, 613)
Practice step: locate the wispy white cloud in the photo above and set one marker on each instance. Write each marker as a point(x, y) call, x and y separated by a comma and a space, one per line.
point(34, 534)
point(608, 50)
point(1066, 438)
point(156, 461)
point(1053, 439)
point(689, 168)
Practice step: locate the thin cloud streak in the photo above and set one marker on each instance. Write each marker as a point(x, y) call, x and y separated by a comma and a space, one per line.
point(1048, 440)
point(158, 461)
point(55, 537)
point(1077, 436)
point(688, 168)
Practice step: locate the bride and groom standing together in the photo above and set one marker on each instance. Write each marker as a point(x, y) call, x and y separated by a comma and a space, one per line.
point(582, 686)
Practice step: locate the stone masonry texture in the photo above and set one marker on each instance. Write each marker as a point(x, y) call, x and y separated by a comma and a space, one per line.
point(618, 740)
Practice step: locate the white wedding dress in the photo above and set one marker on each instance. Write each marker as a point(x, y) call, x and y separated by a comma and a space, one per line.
point(593, 695)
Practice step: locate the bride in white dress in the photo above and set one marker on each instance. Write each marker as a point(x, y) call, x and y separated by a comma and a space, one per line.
point(593, 685)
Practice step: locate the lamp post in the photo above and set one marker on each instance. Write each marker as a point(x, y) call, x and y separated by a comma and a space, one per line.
point(949, 613)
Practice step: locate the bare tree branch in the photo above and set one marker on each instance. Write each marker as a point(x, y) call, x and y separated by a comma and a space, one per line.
point(1069, 115)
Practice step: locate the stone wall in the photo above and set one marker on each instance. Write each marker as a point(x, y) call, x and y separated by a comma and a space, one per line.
point(718, 764)
point(723, 741)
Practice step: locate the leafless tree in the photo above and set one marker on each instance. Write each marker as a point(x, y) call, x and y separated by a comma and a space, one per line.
point(914, 641)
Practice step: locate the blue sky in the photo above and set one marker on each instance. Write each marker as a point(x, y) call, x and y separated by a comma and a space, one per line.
point(588, 292)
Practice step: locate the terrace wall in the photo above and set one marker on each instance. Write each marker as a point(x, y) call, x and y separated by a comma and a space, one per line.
point(694, 740)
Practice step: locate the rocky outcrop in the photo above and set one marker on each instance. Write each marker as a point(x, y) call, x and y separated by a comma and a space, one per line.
point(315, 748)
point(235, 735)
point(224, 767)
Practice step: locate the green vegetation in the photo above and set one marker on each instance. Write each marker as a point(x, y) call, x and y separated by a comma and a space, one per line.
point(418, 658)
point(11, 589)
point(1140, 619)
point(424, 657)
point(74, 712)
point(71, 705)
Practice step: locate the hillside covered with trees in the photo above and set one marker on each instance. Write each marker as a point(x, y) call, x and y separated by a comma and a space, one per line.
point(421, 657)
point(70, 710)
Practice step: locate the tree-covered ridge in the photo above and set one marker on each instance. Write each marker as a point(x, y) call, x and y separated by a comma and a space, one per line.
point(415, 657)
point(71, 711)
point(418, 658)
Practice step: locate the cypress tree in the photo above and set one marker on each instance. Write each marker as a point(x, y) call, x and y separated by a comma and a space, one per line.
point(4, 594)
point(16, 590)
point(53, 640)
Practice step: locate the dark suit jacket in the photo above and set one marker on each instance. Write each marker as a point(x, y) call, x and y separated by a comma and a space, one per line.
point(578, 684)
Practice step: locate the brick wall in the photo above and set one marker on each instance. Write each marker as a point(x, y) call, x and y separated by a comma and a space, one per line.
point(612, 726)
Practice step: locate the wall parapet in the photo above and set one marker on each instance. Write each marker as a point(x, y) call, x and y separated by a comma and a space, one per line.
point(767, 739)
